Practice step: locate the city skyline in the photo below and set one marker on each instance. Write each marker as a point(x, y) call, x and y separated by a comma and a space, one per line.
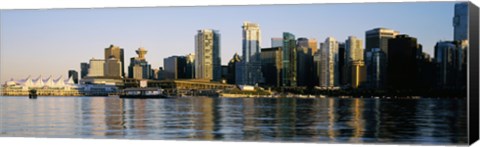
point(139, 29)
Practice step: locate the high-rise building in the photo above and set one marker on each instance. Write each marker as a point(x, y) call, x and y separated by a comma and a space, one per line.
point(207, 55)
point(304, 63)
point(96, 68)
point(116, 52)
point(308, 43)
point(333, 71)
point(460, 21)
point(190, 67)
point(277, 42)
point(321, 66)
point(139, 67)
point(375, 60)
point(175, 67)
point(272, 66)
point(451, 63)
point(289, 55)
point(252, 73)
point(74, 75)
point(342, 64)
point(112, 67)
point(378, 38)
point(84, 69)
point(353, 53)
point(232, 72)
point(402, 69)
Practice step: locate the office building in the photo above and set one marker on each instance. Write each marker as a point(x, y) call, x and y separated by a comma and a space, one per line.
point(450, 64)
point(175, 67)
point(73, 75)
point(112, 68)
point(190, 67)
point(84, 69)
point(375, 60)
point(331, 48)
point(252, 73)
point(116, 52)
point(272, 66)
point(289, 55)
point(378, 38)
point(402, 62)
point(96, 68)
point(207, 55)
point(353, 53)
point(304, 66)
point(139, 67)
point(358, 73)
point(460, 22)
point(232, 72)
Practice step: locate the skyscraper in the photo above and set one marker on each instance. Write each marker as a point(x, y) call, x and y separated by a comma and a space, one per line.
point(403, 61)
point(272, 66)
point(84, 69)
point(460, 21)
point(304, 62)
point(116, 52)
point(175, 67)
point(190, 67)
point(112, 68)
point(231, 78)
point(96, 68)
point(450, 62)
point(378, 38)
point(375, 60)
point(333, 71)
point(139, 67)
point(252, 72)
point(207, 55)
point(74, 75)
point(289, 55)
point(353, 54)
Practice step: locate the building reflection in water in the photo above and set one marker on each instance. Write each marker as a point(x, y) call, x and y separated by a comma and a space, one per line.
point(357, 122)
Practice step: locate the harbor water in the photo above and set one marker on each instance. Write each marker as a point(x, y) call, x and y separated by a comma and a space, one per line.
point(325, 120)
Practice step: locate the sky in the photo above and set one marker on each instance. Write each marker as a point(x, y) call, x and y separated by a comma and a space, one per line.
point(52, 41)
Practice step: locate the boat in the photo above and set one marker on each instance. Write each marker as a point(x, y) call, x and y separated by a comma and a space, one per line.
point(143, 93)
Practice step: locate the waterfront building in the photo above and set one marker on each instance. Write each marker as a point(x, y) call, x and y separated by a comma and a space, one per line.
point(207, 55)
point(341, 64)
point(277, 42)
point(116, 52)
point(289, 55)
point(96, 68)
point(190, 67)
point(402, 62)
point(329, 64)
point(375, 60)
point(84, 69)
point(251, 62)
point(232, 72)
point(353, 53)
point(272, 66)
point(74, 75)
point(450, 63)
point(175, 67)
point(112, 67)
point(460, 21)
point(308, 43)
point(378, 38)
point(304, 66)
point(48, 86)
point(139, 67)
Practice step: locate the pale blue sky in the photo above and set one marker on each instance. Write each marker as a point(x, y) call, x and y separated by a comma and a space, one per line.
point(50, 42)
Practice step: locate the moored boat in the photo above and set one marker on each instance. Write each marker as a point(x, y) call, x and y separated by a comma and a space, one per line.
point(143, 93)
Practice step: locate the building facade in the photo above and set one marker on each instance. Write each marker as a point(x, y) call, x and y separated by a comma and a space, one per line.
point(402, 62)
point(277, 42)
point(84, 69)
point(460, 22)
point(272, 66)
point(175, 67)
point(375, 60)
point(116, 52)
point(74, 75)
point(190, 67)
point(232, 72)
point(252, 73)
point(207, 55)
point(112, 67)
point(289, 55)
point(378, 38)
point(353, 54)
point(96, 68)
point(139, 67)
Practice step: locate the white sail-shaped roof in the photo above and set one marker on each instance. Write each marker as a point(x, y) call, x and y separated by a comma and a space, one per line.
point(60, 82)
point(28, 82)
point(70, 81)
point(39, 82)
point(49, 82)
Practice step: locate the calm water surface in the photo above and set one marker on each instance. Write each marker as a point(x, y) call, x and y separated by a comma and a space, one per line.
point(420, 121)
